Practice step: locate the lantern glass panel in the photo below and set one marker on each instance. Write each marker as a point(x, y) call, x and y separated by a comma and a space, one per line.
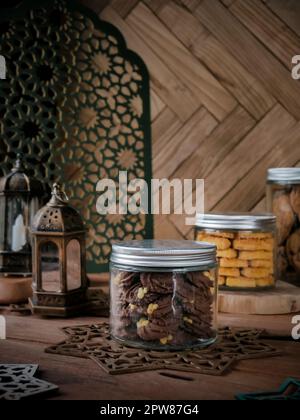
point(16, 224)
point(73, 265)
point(34, 206)
point(2, 225)
point(50, 267)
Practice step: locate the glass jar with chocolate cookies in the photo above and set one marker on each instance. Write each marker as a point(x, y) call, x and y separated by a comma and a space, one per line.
point(246, 246)
point(283, 199)
point(164, 294)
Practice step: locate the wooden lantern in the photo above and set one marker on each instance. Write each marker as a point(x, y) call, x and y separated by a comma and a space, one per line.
point(20, 199)
point(59, 273)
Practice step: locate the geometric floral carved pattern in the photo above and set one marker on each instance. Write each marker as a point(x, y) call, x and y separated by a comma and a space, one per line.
point(76, 103)
point(95, 342)
point(18, 382)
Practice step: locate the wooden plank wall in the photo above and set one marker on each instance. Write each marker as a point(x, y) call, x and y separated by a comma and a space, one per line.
point(224, 104)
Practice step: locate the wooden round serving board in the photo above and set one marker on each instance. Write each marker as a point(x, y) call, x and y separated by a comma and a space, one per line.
point(15, 289)
point(285, 299)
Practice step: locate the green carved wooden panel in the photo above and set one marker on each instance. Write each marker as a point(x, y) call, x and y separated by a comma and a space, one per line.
point(76, 104)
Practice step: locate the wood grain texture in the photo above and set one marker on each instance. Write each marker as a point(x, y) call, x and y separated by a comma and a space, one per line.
point(123, 7)
point(187, 68)
point(228, 3)
point(224, 105)
point(80, 379)
point(183, 144)
point(156, 5)
point(190, 4)
point(268, 28)
point(217, 146)
point(164, 128)
point(165, 82)
point(182, 23)
point(246, 155)
point(285, 299)
point(288, 11)
point(251, 188)
point(249, 91)
point(250, 52)
point(157, 105)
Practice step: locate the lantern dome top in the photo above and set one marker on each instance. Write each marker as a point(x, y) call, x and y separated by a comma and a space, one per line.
point(18, 182)
point(58, 215)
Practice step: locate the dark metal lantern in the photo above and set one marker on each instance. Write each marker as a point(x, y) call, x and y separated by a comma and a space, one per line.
point(20, 198)
point(59, 279)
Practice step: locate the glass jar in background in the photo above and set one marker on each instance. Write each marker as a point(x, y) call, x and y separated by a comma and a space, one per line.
point(246, 245)
point(164, 294)
point(283, 199)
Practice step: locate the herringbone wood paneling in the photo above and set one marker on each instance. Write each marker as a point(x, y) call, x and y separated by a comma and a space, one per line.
point(224, 104)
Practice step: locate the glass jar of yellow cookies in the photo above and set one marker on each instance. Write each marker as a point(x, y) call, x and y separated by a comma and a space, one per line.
point(164, 294)
point(283, 199)
point(245, 248)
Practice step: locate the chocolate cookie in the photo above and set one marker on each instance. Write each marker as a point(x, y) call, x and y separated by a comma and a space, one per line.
point(293, 250)
point(183, 338)
point(282, 261)
point(199, 280)
point(162, 330)
point(295, 200)
point(122, 328)
point(158, 282)
point(200, 327)
point(164, 308)
point(126, 279)
point(285, 216)
point(197, 299)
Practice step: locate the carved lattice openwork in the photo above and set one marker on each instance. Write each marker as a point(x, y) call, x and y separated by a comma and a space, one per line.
point(18, 382)
point(95, 342)
point(76, 104)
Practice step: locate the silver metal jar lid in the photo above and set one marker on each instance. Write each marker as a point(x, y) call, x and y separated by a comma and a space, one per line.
point(284, 175)
point(163, 254)
point(237, 221)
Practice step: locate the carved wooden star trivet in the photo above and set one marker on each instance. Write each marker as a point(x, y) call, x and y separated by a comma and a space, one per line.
point(18, 382)
point(95, 342)
point(289, 391)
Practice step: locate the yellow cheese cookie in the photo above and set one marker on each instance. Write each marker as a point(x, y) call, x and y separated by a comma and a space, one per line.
point(267, 282)
point(255, 235)
point(217, 234)
point(230, 272)
point(262, 264)
point(240, 282)
point(253, 244)
point(221, 281)
point(233, 263)
point(221, 243)
point(227, 253)
point(256, 255)
point(256, 273)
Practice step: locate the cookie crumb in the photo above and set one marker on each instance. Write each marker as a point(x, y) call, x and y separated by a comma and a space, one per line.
point(152, 308)
point(142, 292)
point(166, 340)
point(188, 320)
point(142, 323)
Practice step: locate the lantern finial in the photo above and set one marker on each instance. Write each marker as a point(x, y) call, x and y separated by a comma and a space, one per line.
point(59, 197)
point(18, 166)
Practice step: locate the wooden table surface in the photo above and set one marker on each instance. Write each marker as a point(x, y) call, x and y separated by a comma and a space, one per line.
point(83, 379)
